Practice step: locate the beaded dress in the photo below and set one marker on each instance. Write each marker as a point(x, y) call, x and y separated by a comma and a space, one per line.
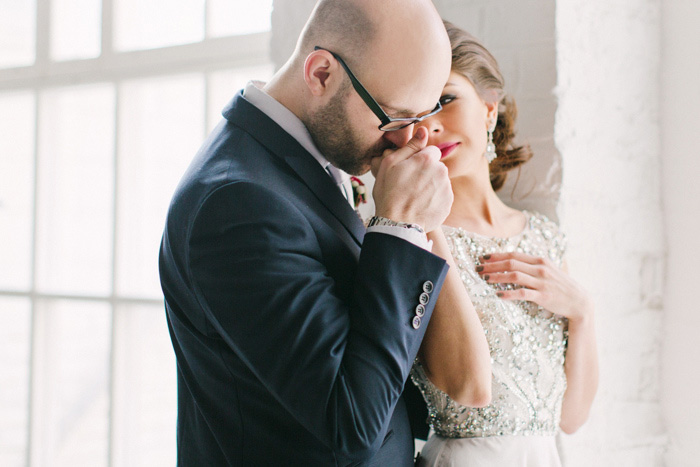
point(527, 345)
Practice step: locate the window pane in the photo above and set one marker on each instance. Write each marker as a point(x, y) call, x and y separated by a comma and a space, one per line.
point(237, 17)
point(75, 29)
point(145, 388)
point(75, 205)
point(16, 189)
point(223, 85)
point(71, 384)
point(17, 32)
point(149, 24)
point(161, 124)
point(15, 329)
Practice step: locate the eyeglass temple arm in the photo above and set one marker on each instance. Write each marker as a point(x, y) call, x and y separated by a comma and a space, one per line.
point(373, 105)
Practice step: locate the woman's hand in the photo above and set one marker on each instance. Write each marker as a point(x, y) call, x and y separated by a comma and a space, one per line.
point(553, 289)
point(542, 283)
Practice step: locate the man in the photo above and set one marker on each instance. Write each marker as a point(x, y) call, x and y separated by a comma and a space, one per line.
point(294, 331)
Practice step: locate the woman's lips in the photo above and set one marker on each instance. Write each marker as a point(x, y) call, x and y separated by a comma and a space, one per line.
point(446, 149)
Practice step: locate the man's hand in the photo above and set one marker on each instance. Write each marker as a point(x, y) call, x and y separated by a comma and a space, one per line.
point(412, 184)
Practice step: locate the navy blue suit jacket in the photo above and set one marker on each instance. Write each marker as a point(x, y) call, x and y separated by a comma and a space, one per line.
point(291, 327)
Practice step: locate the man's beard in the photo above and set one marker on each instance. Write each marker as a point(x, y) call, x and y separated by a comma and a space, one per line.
point(331, 132)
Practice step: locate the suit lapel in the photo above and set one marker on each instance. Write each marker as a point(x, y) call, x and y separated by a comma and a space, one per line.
point(268, 133)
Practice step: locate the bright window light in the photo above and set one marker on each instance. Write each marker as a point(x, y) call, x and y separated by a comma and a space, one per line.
point(76, 190)
point(151, 24)
point(237, 17)
point(76, 29)
point(17, 32)
point(16, 189)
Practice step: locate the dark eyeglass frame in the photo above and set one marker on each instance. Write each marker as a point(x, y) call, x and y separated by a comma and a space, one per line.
point(374, 106)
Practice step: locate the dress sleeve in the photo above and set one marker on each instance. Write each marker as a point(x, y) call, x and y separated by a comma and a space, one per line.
point(555, 239)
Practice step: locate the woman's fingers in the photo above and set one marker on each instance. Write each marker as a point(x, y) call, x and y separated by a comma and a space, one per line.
point(540, 282)
point(510, 265)
point(516, 256)
point(512, 277)
point(527, 295)
point(528, 272)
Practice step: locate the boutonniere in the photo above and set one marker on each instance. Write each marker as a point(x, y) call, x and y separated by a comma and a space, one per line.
point(359, 192)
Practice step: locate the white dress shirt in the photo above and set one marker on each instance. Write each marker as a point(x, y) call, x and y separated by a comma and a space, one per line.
point(290, 123)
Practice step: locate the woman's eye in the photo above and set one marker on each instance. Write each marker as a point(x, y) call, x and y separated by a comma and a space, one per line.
point(446, 99)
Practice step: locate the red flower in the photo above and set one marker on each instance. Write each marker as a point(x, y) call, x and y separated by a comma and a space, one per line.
point(359, 192)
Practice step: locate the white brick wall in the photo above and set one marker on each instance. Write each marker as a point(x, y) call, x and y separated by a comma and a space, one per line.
point(607, 129)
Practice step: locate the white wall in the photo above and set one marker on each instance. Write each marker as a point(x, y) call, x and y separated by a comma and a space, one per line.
point(607, 129)
point(288, 18)
point(680, 150)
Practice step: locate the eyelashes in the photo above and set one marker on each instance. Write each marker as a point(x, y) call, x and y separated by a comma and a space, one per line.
point(447, 98)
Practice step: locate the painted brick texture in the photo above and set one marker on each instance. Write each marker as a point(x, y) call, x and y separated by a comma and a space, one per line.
point(607, 129)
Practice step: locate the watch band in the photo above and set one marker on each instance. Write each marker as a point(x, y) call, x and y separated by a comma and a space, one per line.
point(378, 220)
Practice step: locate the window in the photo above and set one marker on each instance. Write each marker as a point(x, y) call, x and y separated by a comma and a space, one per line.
point(103, 103)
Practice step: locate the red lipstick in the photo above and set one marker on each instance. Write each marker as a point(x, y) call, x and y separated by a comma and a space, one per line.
point(447, 148)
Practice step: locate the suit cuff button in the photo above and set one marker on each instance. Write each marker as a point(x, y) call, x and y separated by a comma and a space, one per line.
point(420, 311)
point(428, 287)
point(424, 298)
point(416, 322)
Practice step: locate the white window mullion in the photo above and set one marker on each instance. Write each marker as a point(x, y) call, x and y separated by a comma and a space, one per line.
point(115, 252)
point(211, 54)
point(107, 29)
point(31, 409)
point(207, 25)
point(43, 34)
point(111, 380)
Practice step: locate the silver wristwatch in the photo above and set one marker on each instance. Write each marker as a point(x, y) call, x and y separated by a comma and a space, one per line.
point(378, 220)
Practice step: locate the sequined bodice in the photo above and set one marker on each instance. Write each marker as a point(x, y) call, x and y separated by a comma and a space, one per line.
point(527, 344)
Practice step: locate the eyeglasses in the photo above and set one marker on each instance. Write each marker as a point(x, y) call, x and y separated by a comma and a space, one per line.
point(388, 123)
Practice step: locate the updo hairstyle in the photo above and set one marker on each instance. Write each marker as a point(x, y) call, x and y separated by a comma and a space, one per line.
point(474, 62)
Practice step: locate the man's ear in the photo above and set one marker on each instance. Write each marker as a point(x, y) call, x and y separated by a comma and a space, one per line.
point(317, 71)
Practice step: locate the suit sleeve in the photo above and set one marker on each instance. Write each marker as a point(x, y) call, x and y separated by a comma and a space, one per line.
point(337, 366)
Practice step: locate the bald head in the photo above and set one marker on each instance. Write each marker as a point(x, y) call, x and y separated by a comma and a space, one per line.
point(363, 31)
point(334, 24)
point(398, 49)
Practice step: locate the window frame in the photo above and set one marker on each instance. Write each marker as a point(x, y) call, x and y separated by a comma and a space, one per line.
point(210, 55)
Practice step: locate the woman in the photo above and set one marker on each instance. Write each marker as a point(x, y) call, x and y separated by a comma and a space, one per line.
point(542, 370)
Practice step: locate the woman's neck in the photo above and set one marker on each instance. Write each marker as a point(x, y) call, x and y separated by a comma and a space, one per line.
point(477, 208)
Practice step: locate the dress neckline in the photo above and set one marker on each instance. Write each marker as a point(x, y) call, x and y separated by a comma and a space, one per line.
point(526, 227)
